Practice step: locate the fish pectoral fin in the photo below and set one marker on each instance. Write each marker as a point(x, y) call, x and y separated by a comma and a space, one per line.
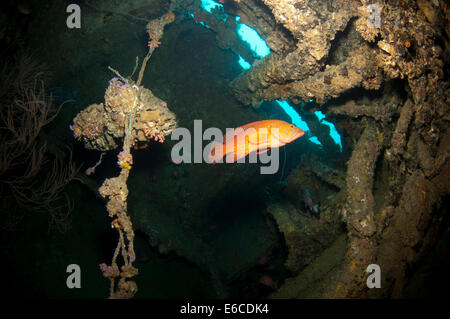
point(257, 139)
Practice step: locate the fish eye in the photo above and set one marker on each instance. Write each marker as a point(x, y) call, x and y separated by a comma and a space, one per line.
point(292, 126)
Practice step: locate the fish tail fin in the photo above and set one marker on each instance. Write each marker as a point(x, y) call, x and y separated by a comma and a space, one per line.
point(215, 152)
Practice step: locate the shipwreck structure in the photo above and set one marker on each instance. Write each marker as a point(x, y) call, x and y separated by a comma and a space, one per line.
point(379, 71)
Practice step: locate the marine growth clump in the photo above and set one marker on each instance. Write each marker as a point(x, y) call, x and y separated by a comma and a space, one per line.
point(102, 126)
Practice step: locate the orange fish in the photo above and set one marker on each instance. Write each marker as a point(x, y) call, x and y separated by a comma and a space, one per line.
point(268, 281)
point(257, 137)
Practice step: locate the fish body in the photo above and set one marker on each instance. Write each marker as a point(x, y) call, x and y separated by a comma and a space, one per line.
point(268, 281)
point(314, 209)
point(254, 137)
point(307, 198)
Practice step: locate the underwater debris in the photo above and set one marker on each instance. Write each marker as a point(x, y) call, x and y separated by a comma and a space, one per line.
point(409, 176)
point(360, 202)
point(385, 110)
point(127, 105)
point(399, 138)
point(388, 40)
point(132, 113)
point(305, 236)
point(391, 147)
point(321, 171)
point(298, 73)
point(101, 126)
point(313, 29)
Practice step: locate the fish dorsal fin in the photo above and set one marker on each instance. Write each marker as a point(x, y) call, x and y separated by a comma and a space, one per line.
point(253, 124)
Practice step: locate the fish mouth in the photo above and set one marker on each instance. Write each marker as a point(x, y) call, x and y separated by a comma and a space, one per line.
point(298, 135)
point(292, 138)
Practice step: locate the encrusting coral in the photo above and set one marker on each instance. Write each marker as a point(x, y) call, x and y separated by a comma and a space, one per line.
point(398, 169)
point(404, 49)
point(132, 113)
point(100, 126)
